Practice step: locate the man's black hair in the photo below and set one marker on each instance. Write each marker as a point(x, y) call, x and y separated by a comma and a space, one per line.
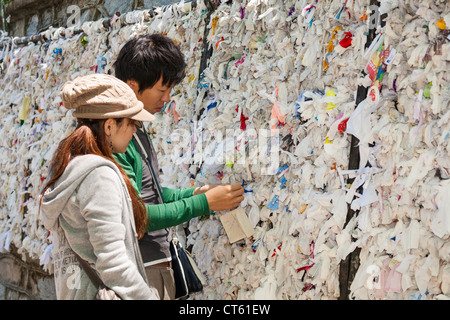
point(147, 58)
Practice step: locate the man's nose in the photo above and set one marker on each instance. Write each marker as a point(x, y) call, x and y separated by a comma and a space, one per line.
point(166, 96)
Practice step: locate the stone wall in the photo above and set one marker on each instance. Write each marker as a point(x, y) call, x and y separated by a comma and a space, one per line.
point(24, 280)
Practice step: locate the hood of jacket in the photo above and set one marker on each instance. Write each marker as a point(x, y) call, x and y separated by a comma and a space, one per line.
point(56, 197)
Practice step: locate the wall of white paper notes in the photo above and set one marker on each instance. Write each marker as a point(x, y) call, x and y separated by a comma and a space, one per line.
point(289, 66)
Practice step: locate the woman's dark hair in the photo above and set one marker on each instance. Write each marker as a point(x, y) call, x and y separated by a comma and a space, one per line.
point(147, 58)
point(89, 137)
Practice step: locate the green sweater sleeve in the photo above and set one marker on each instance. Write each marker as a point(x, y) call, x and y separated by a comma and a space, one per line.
point(180, 205)
point(171, 195)
point(171, 214)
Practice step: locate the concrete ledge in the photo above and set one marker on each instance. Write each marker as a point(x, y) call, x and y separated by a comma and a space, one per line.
point(24, 280)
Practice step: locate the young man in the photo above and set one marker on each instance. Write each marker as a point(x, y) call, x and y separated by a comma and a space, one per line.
point(152, 65)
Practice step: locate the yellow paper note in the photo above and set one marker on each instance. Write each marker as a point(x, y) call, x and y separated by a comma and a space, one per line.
point(25, 109)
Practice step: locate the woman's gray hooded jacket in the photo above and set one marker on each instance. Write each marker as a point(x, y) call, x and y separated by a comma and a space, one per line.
point(89, 207)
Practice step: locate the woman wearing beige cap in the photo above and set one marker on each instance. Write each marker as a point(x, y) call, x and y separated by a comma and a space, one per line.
point(89, 205)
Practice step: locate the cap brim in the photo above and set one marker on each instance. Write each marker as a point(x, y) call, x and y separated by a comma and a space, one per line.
point(143, 115)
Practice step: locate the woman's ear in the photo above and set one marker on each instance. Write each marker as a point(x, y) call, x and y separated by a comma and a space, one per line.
point(108, 126)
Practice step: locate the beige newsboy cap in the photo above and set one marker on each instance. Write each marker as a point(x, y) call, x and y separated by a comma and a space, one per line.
point(101, 96)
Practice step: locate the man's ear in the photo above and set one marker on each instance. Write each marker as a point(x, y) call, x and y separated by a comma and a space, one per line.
point(133, 85)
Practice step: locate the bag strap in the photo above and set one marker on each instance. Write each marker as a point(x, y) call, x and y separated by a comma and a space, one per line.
point(89, 271)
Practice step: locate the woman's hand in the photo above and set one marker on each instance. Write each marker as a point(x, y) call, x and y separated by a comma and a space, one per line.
point(223, 197)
